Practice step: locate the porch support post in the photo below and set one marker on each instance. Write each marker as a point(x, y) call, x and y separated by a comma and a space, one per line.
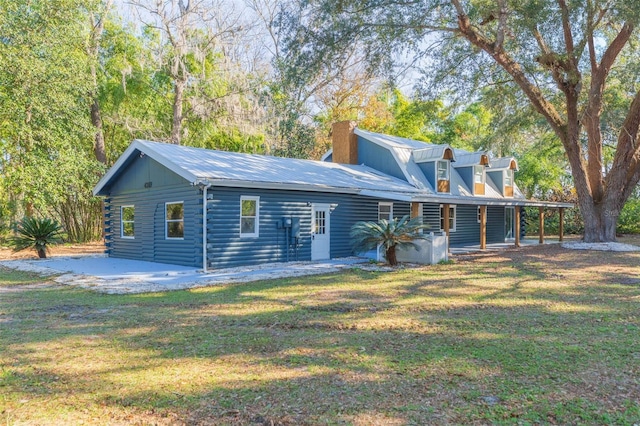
point(561, 227)
point(517, 219)
point(541, 225)
point(483, 227)
point(415, 210)
point(445, 217)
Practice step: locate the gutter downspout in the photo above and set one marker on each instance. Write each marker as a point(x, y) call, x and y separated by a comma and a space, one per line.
point(205, 190)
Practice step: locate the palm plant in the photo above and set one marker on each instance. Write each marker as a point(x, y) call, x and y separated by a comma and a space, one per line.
point(389, 234)
point(38, 234)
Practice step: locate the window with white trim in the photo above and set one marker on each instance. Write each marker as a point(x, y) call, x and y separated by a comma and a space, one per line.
point(174, 220)
point(443, 170)
point(508, 177)
point(478, 174)
point(249, 216)
point(479, 215)
point(127, 228)
point(385, 211)
point(452, 218)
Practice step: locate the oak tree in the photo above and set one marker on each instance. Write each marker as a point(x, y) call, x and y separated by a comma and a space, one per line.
point(563, 56)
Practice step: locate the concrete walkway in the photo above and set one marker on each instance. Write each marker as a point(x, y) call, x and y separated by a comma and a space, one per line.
point(122, 276)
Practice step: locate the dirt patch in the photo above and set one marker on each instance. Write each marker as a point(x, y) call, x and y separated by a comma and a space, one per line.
point(96, 247)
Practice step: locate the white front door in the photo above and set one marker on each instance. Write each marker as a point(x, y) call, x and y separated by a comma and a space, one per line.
point(320, 236)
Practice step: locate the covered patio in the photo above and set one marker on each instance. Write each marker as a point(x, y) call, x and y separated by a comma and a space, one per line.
point(524, 242)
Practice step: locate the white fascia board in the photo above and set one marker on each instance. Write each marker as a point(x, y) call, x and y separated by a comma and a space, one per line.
point(402, 165)
point(114, 169)
point(138, 145)
point(232, 183)
point(326, 155)
point(395, 196)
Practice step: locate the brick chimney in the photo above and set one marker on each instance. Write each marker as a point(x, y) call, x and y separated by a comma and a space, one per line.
point(345, 142)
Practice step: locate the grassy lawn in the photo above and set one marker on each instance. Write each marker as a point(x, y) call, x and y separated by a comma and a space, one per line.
point(536, 336)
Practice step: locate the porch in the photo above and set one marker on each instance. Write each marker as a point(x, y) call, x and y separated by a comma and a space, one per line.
point(527, 241)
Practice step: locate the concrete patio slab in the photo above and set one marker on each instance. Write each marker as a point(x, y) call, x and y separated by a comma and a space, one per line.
point(123, 276)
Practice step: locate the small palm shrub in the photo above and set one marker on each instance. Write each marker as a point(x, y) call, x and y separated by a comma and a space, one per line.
point(390, 234)
point(37, 234)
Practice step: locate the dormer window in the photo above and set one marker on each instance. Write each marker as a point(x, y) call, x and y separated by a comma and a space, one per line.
point(442, 174)
point(508, 183)
point(478, 180)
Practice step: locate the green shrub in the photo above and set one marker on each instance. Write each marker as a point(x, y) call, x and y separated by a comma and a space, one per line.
point(629, 219)
point(573, 223)
point(37, 234)
point(390, 234)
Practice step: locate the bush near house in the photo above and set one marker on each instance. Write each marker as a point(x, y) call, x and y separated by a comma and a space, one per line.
point(390, 234)
point(37, 234)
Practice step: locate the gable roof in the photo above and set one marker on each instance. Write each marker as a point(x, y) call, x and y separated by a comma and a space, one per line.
point(211, 167)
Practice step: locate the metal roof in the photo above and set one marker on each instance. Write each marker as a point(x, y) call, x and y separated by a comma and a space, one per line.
point(220, 168)
point(466, 159)
point(432, 153)
point(389, 140)
point(197, 165)
point(502, 163)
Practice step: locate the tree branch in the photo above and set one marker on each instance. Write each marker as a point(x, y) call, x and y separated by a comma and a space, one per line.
point(502, 24)
point(534, 94)
point(568, 36)
point(614, 49)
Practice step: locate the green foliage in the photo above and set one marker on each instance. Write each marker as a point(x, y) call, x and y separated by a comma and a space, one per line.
point(573, 223)
point(389, 234)
point(469, 129)
point(543, 171)
point(37, 234)
point(629, 219)
point(46, 134)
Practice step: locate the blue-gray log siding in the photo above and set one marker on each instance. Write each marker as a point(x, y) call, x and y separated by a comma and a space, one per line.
point(149, 241)
point(467, 227)
point(225, 247)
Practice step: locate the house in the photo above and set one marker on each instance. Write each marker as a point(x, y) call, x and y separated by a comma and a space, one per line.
point(214, 209)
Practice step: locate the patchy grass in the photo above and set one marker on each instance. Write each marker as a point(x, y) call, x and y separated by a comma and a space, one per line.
point(534, 336)
point(9, 277)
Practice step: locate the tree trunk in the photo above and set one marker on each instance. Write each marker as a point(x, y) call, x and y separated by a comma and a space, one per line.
point(42, 253)
point(176, 125)
point(600, 198)
point(391, 256)
point(600, 224)
point(96, 119)
point(97, 22)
